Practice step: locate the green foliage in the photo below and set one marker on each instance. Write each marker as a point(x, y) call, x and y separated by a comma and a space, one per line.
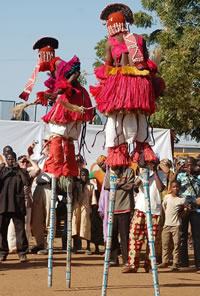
point(179, 108)
point(100, 53)
point(142, 19)
point(82, 78)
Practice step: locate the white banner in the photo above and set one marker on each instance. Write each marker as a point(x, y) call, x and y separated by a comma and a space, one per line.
point(20, 134)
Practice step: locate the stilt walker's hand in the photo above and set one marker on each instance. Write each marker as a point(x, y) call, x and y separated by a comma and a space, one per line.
point(50, 96)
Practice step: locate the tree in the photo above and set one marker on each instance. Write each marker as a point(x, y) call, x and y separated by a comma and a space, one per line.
point(100, 53)
point(82, 78)
point(179, 107)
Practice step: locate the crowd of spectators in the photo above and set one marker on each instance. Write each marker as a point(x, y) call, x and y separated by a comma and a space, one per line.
point(25, 193)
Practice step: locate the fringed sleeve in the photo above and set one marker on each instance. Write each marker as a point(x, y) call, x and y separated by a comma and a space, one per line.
point(40, 97)
point(64, 84)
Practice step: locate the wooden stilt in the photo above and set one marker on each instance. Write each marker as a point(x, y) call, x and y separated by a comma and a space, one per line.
point(145, 179)
point(69, 233)
point(51, 232)
point(113, 183)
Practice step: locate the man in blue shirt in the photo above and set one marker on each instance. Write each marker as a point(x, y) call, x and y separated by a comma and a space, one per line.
point(189, 188)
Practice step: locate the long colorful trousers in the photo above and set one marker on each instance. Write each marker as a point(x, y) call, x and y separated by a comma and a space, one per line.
point(137, 235)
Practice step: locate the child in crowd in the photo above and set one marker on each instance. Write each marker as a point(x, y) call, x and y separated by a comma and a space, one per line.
point(83, 200)
point(172, 205)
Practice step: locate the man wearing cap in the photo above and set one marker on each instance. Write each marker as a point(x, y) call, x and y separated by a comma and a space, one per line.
point(125, 93)
point(63, 90)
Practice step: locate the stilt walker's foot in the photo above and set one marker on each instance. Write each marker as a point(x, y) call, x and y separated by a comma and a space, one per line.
point(143, 154)
point(137, 153)
point(149, 155)
point(118, 156)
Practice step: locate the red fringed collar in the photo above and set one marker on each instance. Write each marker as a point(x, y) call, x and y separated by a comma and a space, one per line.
point(52, 64)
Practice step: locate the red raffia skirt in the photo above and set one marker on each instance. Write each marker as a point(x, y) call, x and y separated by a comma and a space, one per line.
point(60, 115)
point(124, 89)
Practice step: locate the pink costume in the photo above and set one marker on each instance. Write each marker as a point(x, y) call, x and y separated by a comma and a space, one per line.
point(125, 94)
point(124, 88)
point(65, 125)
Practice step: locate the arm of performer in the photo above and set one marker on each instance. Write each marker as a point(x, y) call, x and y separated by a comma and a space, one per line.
point(63, 85)
point(109, 59)
point(159, 183)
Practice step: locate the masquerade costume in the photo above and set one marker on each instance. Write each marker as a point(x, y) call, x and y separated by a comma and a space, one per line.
point(125, 93)
point(65, 125)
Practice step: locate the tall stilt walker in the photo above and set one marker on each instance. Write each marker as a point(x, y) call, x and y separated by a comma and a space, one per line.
point(126, 95)
point(71, 107)
point(68, 99)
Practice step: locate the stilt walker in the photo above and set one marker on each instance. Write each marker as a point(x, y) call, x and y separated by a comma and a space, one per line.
point(126, 95)
point(71, 107)
point(51, 236)
point(145, 176)
point(113, 184)
point(68, 99)
point(69, 233)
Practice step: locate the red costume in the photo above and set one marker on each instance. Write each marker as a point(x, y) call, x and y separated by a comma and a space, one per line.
point(125, 93)
point(65, 125)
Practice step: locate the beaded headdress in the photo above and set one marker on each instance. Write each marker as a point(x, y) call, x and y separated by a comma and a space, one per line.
point(116, 15)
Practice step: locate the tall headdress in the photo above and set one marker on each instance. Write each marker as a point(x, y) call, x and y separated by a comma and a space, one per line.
point(117, 15)
point(46, 52)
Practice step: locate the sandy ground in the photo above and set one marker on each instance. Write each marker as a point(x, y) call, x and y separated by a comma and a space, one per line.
point(30, 279)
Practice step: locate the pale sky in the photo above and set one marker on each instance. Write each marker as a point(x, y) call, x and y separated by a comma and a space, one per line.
point(75, 24)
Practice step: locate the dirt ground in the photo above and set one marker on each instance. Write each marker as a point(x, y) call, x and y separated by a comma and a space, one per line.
point(30, 279)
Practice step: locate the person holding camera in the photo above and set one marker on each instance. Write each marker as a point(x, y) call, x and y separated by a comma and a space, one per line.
point(33, 170)
point(12, 206)
point(190, 189)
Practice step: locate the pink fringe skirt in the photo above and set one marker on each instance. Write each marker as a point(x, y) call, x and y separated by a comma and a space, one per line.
point(60, 115)
point(126, 92)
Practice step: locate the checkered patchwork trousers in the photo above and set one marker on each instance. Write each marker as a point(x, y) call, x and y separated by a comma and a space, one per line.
point(137, 235)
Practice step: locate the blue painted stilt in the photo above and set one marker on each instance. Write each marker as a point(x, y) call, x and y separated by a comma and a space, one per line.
point(113, 183)
point(51, 232)
point(145, 179)
point(69, 232)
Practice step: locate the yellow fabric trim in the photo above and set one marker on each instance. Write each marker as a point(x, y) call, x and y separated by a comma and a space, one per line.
point(126, 70)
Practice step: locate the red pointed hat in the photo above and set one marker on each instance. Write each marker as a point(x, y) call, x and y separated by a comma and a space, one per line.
point(117, 7)
point(46, 41)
